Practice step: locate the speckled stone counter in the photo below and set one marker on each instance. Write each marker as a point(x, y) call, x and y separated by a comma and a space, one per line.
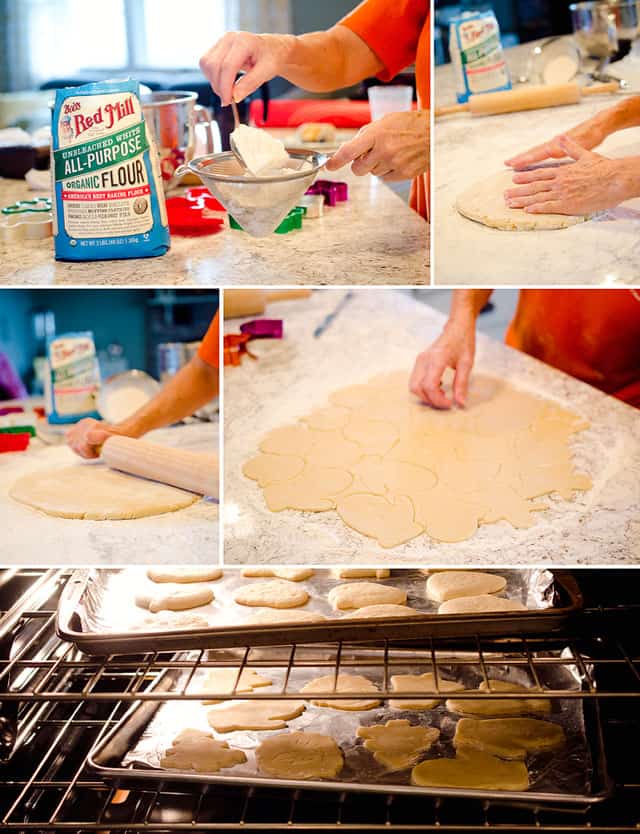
point(383, 331)
point(374, 238)
point(602, 251)
point(34, 538)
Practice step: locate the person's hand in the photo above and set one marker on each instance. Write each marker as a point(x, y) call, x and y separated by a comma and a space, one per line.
point(588, 135)
point(454, 348)
point(259, 56)
point(87, 436)
point(395, 147)
point(591, 183)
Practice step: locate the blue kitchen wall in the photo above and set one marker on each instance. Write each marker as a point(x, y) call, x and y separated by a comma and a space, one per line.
point(15, 330)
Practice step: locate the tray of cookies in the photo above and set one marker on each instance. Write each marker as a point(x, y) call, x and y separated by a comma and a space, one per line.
point(172, 608)
point(489, 731)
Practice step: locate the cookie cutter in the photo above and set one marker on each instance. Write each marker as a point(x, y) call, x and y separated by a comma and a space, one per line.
point(290, 223)
point(36, 226)
point(334, 192)
point(38, 204)
point(314, 204)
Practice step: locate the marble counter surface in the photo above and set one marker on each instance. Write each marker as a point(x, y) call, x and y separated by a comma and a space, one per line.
point(383, 331)
point(602, 251)
point(34, 538)
point(374, 238)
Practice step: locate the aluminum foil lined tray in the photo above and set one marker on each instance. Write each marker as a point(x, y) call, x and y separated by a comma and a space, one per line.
point(97, 612)
point(574, 774)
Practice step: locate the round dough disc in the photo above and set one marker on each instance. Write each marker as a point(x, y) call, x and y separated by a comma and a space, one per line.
point(97, 493)
point(484, 203)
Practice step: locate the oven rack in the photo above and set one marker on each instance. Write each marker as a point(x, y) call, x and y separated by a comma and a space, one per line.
point(66, 703)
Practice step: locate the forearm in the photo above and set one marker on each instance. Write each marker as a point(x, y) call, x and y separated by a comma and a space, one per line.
point(192, 387)
point(627, 181)
point(621, 116)
point(466, 305)
point(325, 61)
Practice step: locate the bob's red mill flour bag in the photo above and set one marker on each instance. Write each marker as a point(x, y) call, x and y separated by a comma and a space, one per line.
point(109, 201)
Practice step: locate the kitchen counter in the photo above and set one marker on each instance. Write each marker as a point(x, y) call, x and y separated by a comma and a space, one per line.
point(602, 251)
point(378, 332)
point(374, 238)
point(31, 537)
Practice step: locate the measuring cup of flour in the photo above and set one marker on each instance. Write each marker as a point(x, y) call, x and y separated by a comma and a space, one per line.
point(122, 395)
point(173, 117)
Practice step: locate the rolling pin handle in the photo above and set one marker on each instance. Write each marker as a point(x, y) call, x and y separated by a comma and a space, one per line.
point(452, 108)
point(599, 89)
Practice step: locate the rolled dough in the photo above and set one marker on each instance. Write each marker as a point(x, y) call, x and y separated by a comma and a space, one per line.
point(299, 756)
point(97, 493)
point(508, 738)
point(359, 594)
point(451, 584)
point(397, 744)
point(195, 750)
point(485, 203)
point(473, 770)
point(279, 593)
point(254, 715)
point(344, 683)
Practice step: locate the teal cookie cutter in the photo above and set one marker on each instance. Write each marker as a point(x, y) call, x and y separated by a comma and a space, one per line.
point(38, 204)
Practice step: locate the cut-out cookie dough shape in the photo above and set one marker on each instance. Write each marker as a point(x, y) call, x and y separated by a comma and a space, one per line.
point(421, 683)
point(195, 750)
point(292, 574)
point(288, 440)
point(345, 683)
point(506, 505)
point(331, 448)
point(359, 594)
point(168, 620)
point(353, 397)
point(493, 706)
point(361, 573)
point(95, 493)
point(225, 681)
point(382, 611)
point(313, 491)
point(480, 604)
point(389, 522)
point(273, 469)
point(447, 516)
point(543, 480)
point(175, 599)
point(279, 593)
point(508, 738)
point(254, 715)
point(474, 770)
point(397, 744)
point(449, 584)
point(375, 437)
point(184, 574)
point(273, 616)
point(299, 756)
point(327, 419)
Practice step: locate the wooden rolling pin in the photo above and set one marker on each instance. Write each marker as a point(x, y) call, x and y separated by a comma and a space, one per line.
point(240, 303)
point(193, 471)
point(527, 98)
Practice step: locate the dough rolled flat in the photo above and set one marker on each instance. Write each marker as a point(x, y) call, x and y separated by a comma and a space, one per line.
point(421, 683)
point(345, 683)
point(279, 593)
point(397, 744)
point(254, 715)
point(480, 604)
point(184, 574)
point(447, 585)
point(495, 706)
point(360, 594)
point(484, 202)
point(195, 750)
point(473, 770)
point(508, 738)
point(95, 493)
point(299, 756)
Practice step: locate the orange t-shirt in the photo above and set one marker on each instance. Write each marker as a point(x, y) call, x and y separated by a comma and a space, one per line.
point(209, 350)
point(399, 33)
point(593, 335)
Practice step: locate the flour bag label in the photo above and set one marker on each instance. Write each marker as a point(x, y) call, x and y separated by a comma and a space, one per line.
point(73, 378)
point(109, 201)
point(476, 54)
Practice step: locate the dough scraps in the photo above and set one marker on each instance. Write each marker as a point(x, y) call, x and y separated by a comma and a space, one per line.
point(345, 683)
point(254, 715)
point(397, 744)
point(500, 706)
point(508, 738)
point(450, 584)
point(382, 610)
point(175, 599)
point(292, 574)
point(474, 770)
point(360, 594)
point(195, 750)
point(96, 493)
point(227, 680)
point(421, 683)
point(299, 756)
point(394, 469)
point(485, 203)
point(279, 593)
point(480, 604)
point(182, 573)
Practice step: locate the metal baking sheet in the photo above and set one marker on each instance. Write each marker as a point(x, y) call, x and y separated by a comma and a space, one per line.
point(97, 612)
point(575, 774)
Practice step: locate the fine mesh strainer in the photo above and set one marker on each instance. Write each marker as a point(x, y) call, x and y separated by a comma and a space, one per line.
point(259, 204)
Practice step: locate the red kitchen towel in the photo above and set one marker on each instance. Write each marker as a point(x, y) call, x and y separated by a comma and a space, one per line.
point(342, 112)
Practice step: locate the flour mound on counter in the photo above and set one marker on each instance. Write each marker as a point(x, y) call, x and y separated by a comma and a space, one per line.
point(97, 493)
point(484, 202)
point(393, 469)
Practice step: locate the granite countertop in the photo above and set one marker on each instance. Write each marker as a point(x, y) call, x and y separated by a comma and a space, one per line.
point(378, 332)
point(602, 251)
point(374, 238)
point(31, 537)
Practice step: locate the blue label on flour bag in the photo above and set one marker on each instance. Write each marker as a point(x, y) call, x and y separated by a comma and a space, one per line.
point(476, 55)
point(73, 378)
point(109, 201)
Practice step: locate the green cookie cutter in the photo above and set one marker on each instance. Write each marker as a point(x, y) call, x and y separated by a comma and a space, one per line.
point(40, 204)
